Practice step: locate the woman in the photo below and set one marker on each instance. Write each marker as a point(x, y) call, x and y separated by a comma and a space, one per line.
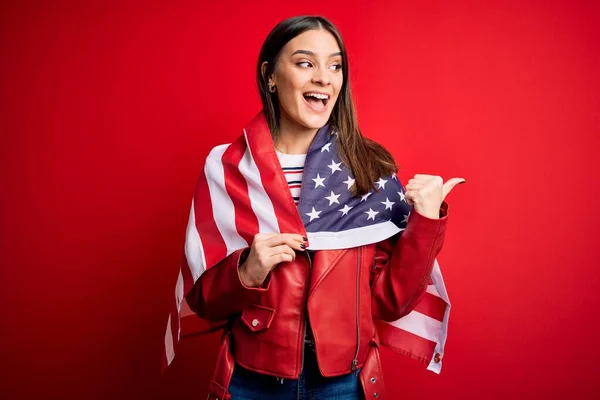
point(300, 305)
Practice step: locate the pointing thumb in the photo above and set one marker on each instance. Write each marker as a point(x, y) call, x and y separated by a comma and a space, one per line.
point(449, 185)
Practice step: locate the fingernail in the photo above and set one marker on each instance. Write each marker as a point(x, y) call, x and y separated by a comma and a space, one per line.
point(461, 182)
point(303, 246)
point(305, 238)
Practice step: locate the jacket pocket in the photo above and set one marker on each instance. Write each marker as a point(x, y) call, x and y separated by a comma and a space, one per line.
point(257, 318)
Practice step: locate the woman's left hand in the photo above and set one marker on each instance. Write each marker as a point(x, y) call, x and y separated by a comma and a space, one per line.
point(427, 192)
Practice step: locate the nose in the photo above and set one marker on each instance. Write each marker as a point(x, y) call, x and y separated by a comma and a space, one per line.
point(321, 76)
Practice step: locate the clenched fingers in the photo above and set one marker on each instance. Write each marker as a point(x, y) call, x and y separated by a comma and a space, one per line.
point(282, 249)
point(290, 239)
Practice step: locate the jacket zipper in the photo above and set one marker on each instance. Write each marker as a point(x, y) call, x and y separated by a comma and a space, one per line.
point(306, 308)
point(305, 318)
point(355, 360)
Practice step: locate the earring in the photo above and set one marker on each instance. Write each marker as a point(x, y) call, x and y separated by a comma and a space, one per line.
point(272, 88)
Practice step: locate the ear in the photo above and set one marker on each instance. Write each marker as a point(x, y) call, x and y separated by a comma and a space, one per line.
point(263, 69)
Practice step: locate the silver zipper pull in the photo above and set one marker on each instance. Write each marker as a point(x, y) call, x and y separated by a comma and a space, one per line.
point(354, 364)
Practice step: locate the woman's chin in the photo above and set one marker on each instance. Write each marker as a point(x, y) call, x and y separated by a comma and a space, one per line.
point(307, 119)
point(314, 121)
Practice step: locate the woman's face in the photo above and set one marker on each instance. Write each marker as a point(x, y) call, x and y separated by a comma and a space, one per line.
point(308, 77)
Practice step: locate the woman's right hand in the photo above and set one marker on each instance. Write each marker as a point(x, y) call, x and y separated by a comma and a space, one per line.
point(266, 252)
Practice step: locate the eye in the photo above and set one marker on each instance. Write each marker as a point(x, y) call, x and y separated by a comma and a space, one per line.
point(304, 64)
point(337, 67)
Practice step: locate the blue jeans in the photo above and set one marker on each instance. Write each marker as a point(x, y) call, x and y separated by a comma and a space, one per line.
point(250, 385)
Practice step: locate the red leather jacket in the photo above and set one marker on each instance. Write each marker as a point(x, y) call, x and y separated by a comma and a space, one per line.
point(342, 291)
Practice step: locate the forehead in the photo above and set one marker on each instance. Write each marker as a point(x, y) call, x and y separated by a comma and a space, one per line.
point(321, 42)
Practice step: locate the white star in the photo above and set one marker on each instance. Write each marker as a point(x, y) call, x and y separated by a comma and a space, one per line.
point(318, 181)
point(381, 182)
point(365, 197)
point(333, 198)
point(335, 166)
point(405, 218)
point(388, 203)
point(402, 197)
point(313, 214)
point(345, 210)
point(326, 147)
point(372, 214)
point(349, 182)
point(394, 176)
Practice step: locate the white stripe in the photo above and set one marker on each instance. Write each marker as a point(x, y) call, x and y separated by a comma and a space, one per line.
point(222, 206)
point(259, 200)
point(179, 290)
point(352, 237)
point(440, 288)
point(419, 324)
point(170, 350)
point(194, 251)
point(297, 176)
point(295, 192)
point(431, 289)
point(178, 298)
point(438, 280)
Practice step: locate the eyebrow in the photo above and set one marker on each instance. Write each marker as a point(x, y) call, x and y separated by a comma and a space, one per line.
point(310, 53)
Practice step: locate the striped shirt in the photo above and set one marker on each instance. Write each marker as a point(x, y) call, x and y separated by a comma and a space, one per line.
point(293, 166)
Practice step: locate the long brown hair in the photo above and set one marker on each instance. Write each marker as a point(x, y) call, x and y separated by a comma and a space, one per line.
point(367, 159)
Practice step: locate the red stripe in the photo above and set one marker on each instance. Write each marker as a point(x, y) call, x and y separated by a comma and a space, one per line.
point(163, 363)
point(405, 343)
point(432, 306)
point(246, 222)
point(193, 324)
point(263, 152)
point(295, 186)
point(293, 171)
point(212, 241)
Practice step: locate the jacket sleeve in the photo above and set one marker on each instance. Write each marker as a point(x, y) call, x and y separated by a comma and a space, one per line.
point(219, 292)
point(403, 263)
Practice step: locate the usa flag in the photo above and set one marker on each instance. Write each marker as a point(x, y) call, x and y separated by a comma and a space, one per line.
point(243, 191)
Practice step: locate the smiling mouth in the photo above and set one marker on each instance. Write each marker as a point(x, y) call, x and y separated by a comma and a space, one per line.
point(317, 100)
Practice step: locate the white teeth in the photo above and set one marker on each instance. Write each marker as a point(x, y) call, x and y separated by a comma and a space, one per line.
point(317, 95)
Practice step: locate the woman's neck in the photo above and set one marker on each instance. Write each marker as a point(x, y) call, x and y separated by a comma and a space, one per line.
point(293, 138)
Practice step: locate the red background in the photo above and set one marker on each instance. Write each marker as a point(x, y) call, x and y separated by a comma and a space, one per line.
point(107, 112)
